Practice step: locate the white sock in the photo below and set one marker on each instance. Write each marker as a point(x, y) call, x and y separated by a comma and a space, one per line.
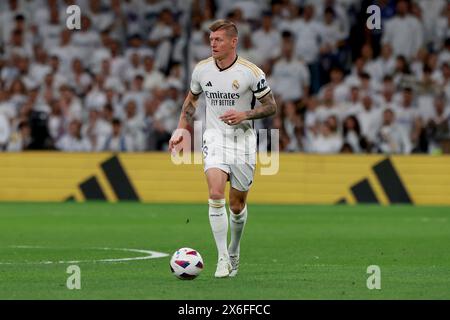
point(219, 225)
point(237, 224)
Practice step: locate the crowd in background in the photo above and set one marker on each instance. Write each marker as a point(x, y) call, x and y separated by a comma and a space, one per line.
point(118, 83)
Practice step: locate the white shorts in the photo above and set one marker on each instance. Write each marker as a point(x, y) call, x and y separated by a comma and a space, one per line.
point(240, 175)
point(240, 166)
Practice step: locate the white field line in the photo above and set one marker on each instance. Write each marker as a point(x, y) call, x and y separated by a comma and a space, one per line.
point(149, 254)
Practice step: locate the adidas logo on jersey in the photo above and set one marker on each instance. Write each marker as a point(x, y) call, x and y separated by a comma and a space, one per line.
point(209, 84)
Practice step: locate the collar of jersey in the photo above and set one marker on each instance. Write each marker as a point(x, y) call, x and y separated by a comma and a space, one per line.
point(220, 69)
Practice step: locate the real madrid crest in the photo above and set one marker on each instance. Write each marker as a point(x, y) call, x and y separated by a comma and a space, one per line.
point(235, 85)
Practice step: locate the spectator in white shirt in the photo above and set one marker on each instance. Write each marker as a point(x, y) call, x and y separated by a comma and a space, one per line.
point(17, 45)
point(290, 76)
point(307, 30)
point(267, 39)
point(386, 98)
point(293, 126)
point(438, 124)
point(441, 28)
point(250, 52)
point(151, 105)
point(137, 93)
point(137, 45)
point(353, 105)
point(23, 67)
point(70, 103)
point(133, 68)
point(118, 62)
point(39, 68)
point(165, 117)
point(73, 140)
point(152, 76)
point(327, 106)
point(402, 75)
point(236, 16)
point(56, 123)
point(79, 78)
point(50, 31)
point(310, 116)
point(86, 40)
point(392, 138)
point(60, 76)
point(445, 83)
point(444, 55)
point(7, 18)
point(103, 19)
point(203, 49)
point(251, 9)
point(370, 119)
point(133, 125)
point(117, 141)
point(383, 65)
point(407, 116)
point(352, 135)
point(6, 106)
point(160, 39)
point(96, 129)
point(431, 12)
point(332, 39)
point(21, 139)
point(96, 96)
point(18, 93)
point(340, 88)
point(5, 131)
point(65, 50)
point(404, 32)
point(329, 140)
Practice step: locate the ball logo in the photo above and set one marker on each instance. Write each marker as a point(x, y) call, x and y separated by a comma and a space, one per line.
point(235, 85)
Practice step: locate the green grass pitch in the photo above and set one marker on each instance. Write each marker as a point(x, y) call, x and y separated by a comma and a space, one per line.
point(287, 252)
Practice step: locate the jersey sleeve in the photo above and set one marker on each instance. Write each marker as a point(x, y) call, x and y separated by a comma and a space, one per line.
point(196, 87)
point(259, 86)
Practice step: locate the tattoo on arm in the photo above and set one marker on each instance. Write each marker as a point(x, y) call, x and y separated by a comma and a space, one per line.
point(188, 109)
point(267, 108)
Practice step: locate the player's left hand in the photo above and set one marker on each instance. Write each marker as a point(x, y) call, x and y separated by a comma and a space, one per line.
point(233, 117)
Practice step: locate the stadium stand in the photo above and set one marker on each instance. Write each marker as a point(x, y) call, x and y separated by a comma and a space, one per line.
point(118, 83)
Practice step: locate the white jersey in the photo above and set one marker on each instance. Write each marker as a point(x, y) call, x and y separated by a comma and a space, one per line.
point(235, 87)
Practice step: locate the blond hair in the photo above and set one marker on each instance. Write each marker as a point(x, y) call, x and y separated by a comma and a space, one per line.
point(227, 25)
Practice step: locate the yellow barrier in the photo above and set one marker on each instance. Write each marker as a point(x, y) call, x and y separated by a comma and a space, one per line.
point(152, 177)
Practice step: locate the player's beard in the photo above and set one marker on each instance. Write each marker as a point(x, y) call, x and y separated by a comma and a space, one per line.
point(220, 55)
point(217, 56)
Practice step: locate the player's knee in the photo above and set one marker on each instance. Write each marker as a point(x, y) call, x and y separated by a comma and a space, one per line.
point(236, 207)
point(216, 194)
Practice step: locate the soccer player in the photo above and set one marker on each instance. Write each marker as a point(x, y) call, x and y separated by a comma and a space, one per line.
point(231, 85)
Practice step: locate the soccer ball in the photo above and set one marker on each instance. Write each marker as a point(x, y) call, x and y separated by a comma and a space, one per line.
point(186, 263)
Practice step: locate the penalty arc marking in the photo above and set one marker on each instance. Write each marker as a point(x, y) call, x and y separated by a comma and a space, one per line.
point(149, 254)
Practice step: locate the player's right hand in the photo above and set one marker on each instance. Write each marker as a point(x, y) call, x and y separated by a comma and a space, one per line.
point(176, 138)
